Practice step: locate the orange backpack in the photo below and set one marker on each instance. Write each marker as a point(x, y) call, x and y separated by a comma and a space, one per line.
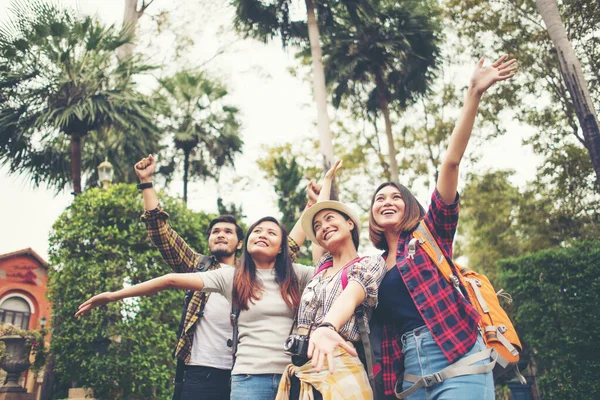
point(495, 326)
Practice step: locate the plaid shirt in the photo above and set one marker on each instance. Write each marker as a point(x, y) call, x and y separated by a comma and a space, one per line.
point(450, 318)
point(182, 258)
point(320, 293)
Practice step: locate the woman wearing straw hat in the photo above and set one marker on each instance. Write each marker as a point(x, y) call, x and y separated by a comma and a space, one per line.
point(342, 282)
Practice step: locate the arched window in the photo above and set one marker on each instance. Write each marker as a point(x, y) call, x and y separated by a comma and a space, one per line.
point(15, 311)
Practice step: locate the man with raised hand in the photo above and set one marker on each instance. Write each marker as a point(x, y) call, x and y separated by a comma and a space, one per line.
point(204, 360)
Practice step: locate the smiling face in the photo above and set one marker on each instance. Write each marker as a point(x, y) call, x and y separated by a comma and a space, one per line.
point(388, 208)
point(332, 229)
point(264, 241)
point(223, 240)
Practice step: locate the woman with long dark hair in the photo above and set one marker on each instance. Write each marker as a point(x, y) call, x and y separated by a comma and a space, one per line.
point(343, 282)
point(265, 288)
point(431, 346)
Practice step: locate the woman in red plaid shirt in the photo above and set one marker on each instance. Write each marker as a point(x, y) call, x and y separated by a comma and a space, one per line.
point(427, 324)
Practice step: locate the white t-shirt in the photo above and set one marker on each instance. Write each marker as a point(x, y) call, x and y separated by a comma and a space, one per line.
point(263, 328)
point(209, 348)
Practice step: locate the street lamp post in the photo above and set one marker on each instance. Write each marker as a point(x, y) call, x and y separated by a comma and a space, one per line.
point(105, 173)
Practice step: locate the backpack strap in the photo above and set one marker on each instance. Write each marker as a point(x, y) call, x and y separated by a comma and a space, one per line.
point(204, 264)
point(324, 266)
point(359, 313)
point(233, 342)
point(423, 236)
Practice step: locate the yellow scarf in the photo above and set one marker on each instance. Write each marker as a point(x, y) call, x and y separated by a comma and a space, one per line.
point(348, 382)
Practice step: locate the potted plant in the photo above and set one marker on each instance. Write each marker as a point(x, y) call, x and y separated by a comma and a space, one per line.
point(16, 346)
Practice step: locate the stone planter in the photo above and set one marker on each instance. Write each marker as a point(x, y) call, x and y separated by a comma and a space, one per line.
point(15, 362)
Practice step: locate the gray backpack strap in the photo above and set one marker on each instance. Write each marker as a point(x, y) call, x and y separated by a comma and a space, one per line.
point(366, 341)
point(462, 367)
point(233, 342)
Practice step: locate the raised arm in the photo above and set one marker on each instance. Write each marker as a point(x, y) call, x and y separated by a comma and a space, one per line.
point(482, 80)
point(324, 193)
point(174, 250)
point(324, 339)
point(169, 281)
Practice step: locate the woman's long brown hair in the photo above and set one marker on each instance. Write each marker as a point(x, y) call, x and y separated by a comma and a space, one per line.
point(247, 289)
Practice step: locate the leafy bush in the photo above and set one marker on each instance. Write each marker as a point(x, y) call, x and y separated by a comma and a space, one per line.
point(122, 350)
point(556, 295)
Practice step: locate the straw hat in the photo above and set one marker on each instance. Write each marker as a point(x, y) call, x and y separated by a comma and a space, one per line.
point(309, 214)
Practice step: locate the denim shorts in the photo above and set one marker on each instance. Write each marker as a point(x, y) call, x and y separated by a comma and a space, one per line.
point(254, 387)
point(422, 356)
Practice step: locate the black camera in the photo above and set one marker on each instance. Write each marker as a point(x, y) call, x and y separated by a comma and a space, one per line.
point(296, 345)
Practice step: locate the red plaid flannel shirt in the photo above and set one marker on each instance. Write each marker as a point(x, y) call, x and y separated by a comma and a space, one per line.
point(450, 318)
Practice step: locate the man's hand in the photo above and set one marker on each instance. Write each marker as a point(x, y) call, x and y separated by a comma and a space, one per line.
point(484, 78)
point(145, 168)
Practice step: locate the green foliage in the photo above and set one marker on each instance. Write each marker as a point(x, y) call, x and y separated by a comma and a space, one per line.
point(230, 209)
point(206, 132)
point(488, 205)
point(391, 51)
point(539, 94)
point(555, 294)
point(99, 244)
point(60, 80)
point(34, 344)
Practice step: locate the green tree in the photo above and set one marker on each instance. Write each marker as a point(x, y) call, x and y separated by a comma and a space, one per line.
point(99, 244)
point(555, 293)
point(488, 219)
point(230, 209)
point(383, 61)
point(541, 98)
point(205, 130)
point(287, 176)
point(60, 82)
point(265, 20)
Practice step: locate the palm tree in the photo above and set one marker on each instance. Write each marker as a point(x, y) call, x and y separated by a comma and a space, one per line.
point(60, 83)
point(205, 130)
point(264, 20)
point(575, 81)
point(383, 60)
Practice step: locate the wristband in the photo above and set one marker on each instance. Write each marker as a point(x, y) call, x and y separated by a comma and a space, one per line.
point(327, 325)
point(145, 185)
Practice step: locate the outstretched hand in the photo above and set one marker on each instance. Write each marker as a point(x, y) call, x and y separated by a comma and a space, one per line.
point(500, 70)
point(96, 301)
point(322, 343)
point(312, 191)
point(331, 173)
point(145, 168)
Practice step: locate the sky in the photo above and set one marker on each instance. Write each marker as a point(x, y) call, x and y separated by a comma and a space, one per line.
point(276, 108)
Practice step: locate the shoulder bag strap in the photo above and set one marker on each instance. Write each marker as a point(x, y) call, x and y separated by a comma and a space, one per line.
point(423, 236)
point(364, 335)
point(233, 342)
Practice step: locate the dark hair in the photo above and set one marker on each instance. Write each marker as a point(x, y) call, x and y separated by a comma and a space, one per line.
point(246, 288)
point(413, 214)
point(353, 232)
point(230, 219)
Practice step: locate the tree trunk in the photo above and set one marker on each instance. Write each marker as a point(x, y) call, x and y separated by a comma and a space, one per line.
point(76, 163)
point(320, 91)
point(385, 110)
point(186, 171)
point(575, 81)
point(130, 19)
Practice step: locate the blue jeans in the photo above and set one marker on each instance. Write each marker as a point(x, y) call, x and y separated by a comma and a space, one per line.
point(254, 387)
point(422, 356)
